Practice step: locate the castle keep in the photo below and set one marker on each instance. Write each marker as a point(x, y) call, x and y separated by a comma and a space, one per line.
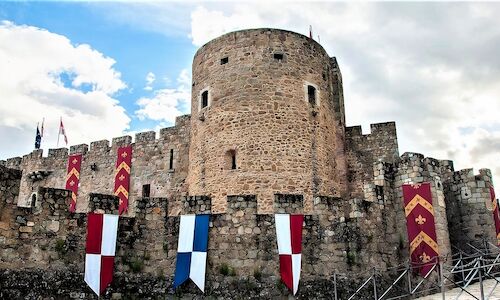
point(266, 134)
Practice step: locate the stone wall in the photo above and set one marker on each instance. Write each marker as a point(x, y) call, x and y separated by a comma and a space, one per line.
point(150, 165)
point(415, 168)
point(469, 209)
point(46, 243)
point(363, 150)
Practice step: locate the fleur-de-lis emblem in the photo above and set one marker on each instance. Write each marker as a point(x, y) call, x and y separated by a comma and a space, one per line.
point(75, 161)
point(124, 154)
point(71, 183)
point(420, 220)
point(121, 177)
point(425, 258)
point(416, 185)
point(120, 201)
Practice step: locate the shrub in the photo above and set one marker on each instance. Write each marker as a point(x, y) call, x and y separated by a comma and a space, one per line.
point(257, 274)
point(351, 258)
point(61, 247)
point(224, 269)
point(136, 265)
point(227, 270)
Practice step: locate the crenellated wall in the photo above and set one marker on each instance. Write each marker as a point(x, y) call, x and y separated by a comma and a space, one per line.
point(150, 165)
point(363, 150)
point(415, 168)
point(242, 244)
point(469, 208)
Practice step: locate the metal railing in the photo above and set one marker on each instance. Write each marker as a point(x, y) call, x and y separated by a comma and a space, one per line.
point(455, 271)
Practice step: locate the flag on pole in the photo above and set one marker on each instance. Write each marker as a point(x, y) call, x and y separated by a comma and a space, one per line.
point(63, 132)
point(41, 133)
point(100, 250)
point(38, 138)
point(192, 250)
point(289, 238)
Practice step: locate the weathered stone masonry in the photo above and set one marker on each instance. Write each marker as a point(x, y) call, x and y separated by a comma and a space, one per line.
point(266, 135)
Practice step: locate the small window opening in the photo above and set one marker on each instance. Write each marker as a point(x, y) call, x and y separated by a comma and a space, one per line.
point(171, 163)
point(311, 94)
point(204, 99)
point(230, 160)
point(278, 56)
point(224, 60)
point(233, 161)
point(146, 190)
point(33, 200)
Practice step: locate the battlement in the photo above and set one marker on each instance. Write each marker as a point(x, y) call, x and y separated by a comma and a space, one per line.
point(442, 166)
point(376, 129)
point(99, 162)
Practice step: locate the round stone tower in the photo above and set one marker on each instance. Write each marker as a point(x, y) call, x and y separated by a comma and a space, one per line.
point(267, 119)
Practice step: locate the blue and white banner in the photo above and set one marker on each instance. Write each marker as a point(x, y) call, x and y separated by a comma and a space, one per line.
point(192, 250)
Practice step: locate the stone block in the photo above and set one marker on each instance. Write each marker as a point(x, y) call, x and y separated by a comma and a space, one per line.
point(25, 229)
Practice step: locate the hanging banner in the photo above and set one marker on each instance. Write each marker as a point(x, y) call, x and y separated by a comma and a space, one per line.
point(73, 178)
point(100, 250)
point(192, 250)
point(421, 226)
point(122, 177)
point(289, 238)
point(496, 213)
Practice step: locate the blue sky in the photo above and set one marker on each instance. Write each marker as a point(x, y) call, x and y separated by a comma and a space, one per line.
point(431, 67)
point(137, 51)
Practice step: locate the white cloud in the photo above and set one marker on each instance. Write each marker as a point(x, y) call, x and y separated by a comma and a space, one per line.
point(44, 75)
point(166, 104)
point(431, 67)
point(150, 78)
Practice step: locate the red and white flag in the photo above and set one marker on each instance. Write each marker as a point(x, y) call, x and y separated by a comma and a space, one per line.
point(63, 132)
point(289, 237)
point(100, 250)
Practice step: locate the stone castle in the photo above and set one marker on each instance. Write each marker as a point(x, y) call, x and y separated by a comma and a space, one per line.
point(266, 134)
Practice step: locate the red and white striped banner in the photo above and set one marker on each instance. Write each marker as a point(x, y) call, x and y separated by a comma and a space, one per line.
point(122, 177)
point(289, 238)
point(100, 250)
point(73, 178)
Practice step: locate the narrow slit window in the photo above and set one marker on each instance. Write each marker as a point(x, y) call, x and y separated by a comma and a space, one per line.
point(146, 190)
point(311, 95)
point(204, 99)
point(278, 56)
point(224, 60)
point(233, 160)
point(230, 160)
point(171, 162)
point(33, 199)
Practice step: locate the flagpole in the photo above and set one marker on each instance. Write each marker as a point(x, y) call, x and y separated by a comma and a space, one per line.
point(59, 133)
point(41, 133)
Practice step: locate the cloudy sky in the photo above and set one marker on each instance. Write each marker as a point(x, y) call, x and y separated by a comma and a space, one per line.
point(110, 69)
